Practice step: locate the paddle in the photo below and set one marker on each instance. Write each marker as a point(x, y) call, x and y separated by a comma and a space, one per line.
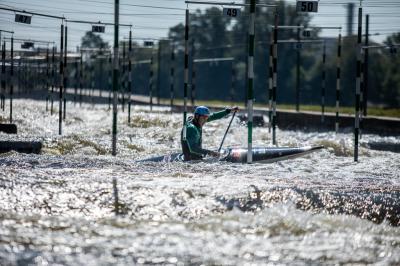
point(226, 132)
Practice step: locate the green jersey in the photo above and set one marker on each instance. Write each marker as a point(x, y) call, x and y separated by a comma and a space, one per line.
point(192, 142)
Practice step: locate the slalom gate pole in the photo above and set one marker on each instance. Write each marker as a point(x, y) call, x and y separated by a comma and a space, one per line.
point(115, 77)
point(358, 86)
point(60, 107)
point(250, 82)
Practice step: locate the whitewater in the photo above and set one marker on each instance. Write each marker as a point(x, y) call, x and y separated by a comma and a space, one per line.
point(57, 207)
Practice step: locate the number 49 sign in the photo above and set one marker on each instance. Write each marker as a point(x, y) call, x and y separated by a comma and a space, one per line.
point(307, 6)
point(231, 12)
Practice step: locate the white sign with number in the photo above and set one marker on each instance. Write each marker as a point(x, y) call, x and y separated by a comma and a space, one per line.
point(231, 12)
point(23, 19)
point(98, 28)
point(307, 6)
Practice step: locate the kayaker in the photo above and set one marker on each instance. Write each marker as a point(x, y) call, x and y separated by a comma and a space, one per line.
point(191, 134)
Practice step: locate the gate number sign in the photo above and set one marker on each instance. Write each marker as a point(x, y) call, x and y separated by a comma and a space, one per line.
point(231, 12)
point(23, 19)
point(307, 6)
point(96, 28)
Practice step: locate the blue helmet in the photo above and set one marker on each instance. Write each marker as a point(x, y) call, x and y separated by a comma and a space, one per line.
point(202, 110)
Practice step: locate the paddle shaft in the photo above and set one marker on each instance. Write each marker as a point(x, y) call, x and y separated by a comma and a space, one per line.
point(226, 132)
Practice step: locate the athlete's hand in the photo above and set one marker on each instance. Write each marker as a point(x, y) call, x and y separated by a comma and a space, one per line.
point(234, 109)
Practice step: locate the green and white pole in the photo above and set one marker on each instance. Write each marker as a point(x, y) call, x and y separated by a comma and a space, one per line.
point(358, 86)
point(186, 70)
point(250, 82)
point(60, 107)
point(115, 77)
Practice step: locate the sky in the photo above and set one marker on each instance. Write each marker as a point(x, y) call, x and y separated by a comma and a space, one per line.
point(153, 18)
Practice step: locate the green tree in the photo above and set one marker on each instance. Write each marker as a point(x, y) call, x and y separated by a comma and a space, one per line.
point(91, 40)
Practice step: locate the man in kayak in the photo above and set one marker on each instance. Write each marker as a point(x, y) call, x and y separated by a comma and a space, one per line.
point(191, 134)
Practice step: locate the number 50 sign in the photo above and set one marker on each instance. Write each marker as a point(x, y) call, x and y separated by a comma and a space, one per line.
point(307, 6)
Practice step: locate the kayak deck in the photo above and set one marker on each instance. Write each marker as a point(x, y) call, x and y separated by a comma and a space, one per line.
point(239, 155)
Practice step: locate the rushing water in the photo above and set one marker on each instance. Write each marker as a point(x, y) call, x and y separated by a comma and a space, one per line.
point(57, 208)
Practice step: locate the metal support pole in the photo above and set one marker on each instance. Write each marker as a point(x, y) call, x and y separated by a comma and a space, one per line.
point(81, 79)
point(123, 75)
point(323, 83)
point(366, 55)
point(47, 78)
point(271, 83)
point(3, 75)
point(338, 64)
point(358, 86)
point(151, 81)
point(110, 80)
point(53, 79)
point(250, 80)
point(233, 80)
point(115, 77)
point(193, 79)
point(186, 71)
point(158, 72)
point(11, 78)
point(172, 62)
point(298, 69)
point(274, 88)
point(76, 80)
point(130, 89)
point(65, 72)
